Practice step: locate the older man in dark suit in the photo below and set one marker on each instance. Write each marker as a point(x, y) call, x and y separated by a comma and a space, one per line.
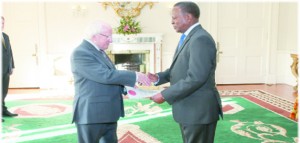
point(193, 94)
point(7, 69)
point(99, 86)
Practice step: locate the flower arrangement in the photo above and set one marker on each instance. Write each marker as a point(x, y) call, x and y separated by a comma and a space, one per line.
point(128, 26)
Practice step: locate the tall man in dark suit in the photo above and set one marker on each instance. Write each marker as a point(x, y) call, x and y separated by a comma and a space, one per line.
point(193, 94)
point(99, 86)
point(7, 69)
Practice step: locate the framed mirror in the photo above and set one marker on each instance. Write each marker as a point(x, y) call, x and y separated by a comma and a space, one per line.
point(127, 9)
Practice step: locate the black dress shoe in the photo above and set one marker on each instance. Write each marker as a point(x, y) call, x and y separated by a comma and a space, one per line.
point(9, 114)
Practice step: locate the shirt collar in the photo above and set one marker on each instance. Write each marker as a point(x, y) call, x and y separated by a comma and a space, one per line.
point(191, 28)
point(92, 44)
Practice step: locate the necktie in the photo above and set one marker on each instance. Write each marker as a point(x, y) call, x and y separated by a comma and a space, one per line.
point(107, 58)
point(3, 42)
point(181, 41)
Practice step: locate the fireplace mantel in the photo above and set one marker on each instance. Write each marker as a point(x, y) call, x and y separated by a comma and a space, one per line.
point(139, 43)
point(137, 38)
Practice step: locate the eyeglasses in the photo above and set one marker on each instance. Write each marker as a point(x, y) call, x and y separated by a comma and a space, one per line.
point(104, 35)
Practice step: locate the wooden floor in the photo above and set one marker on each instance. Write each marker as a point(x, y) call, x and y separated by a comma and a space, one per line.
point(283, 90)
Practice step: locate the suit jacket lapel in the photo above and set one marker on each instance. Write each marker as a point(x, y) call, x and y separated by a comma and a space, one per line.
point(187, 39)
point(4, 43)
point(99, 55)
point(182, 46)
point(107, 61)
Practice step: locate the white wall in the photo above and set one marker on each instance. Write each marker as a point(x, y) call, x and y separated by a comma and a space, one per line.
point(287, 41)
point(65, 26)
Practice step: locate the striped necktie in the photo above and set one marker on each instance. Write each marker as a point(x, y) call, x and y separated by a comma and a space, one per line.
point(107, 58)
point(3, 41)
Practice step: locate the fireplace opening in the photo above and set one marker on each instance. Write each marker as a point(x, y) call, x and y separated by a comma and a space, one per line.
point(141, 51)
point(132, 61)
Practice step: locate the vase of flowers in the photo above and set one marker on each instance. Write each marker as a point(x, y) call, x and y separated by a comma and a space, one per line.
point(128, 26)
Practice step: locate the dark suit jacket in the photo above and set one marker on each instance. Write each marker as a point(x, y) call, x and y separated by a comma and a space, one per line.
point(7, 56)
point(193, 94)
point(98, 86)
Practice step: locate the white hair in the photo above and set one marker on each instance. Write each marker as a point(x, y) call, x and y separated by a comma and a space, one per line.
point(94, 28)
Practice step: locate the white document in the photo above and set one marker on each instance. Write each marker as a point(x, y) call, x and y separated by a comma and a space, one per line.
point(137, 93)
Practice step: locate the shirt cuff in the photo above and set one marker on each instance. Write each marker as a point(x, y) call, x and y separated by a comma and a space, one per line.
point(155, 83)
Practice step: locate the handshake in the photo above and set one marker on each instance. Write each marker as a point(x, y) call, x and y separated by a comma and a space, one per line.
point(146, 79)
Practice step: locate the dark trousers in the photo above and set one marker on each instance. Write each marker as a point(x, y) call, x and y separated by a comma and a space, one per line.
point(201, 133)
point(97, 133)
point(5, 84)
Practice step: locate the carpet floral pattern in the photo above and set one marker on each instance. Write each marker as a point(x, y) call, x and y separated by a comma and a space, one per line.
point(250, 116)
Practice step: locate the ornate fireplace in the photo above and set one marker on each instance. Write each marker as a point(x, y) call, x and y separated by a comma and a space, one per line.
point(140, 52)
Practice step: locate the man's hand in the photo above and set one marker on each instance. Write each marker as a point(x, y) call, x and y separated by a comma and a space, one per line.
point(143, 79)
point(158, 98)
point(152, 77)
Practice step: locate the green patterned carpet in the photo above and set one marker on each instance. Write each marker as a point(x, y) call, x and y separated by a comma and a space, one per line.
point(48, 120)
